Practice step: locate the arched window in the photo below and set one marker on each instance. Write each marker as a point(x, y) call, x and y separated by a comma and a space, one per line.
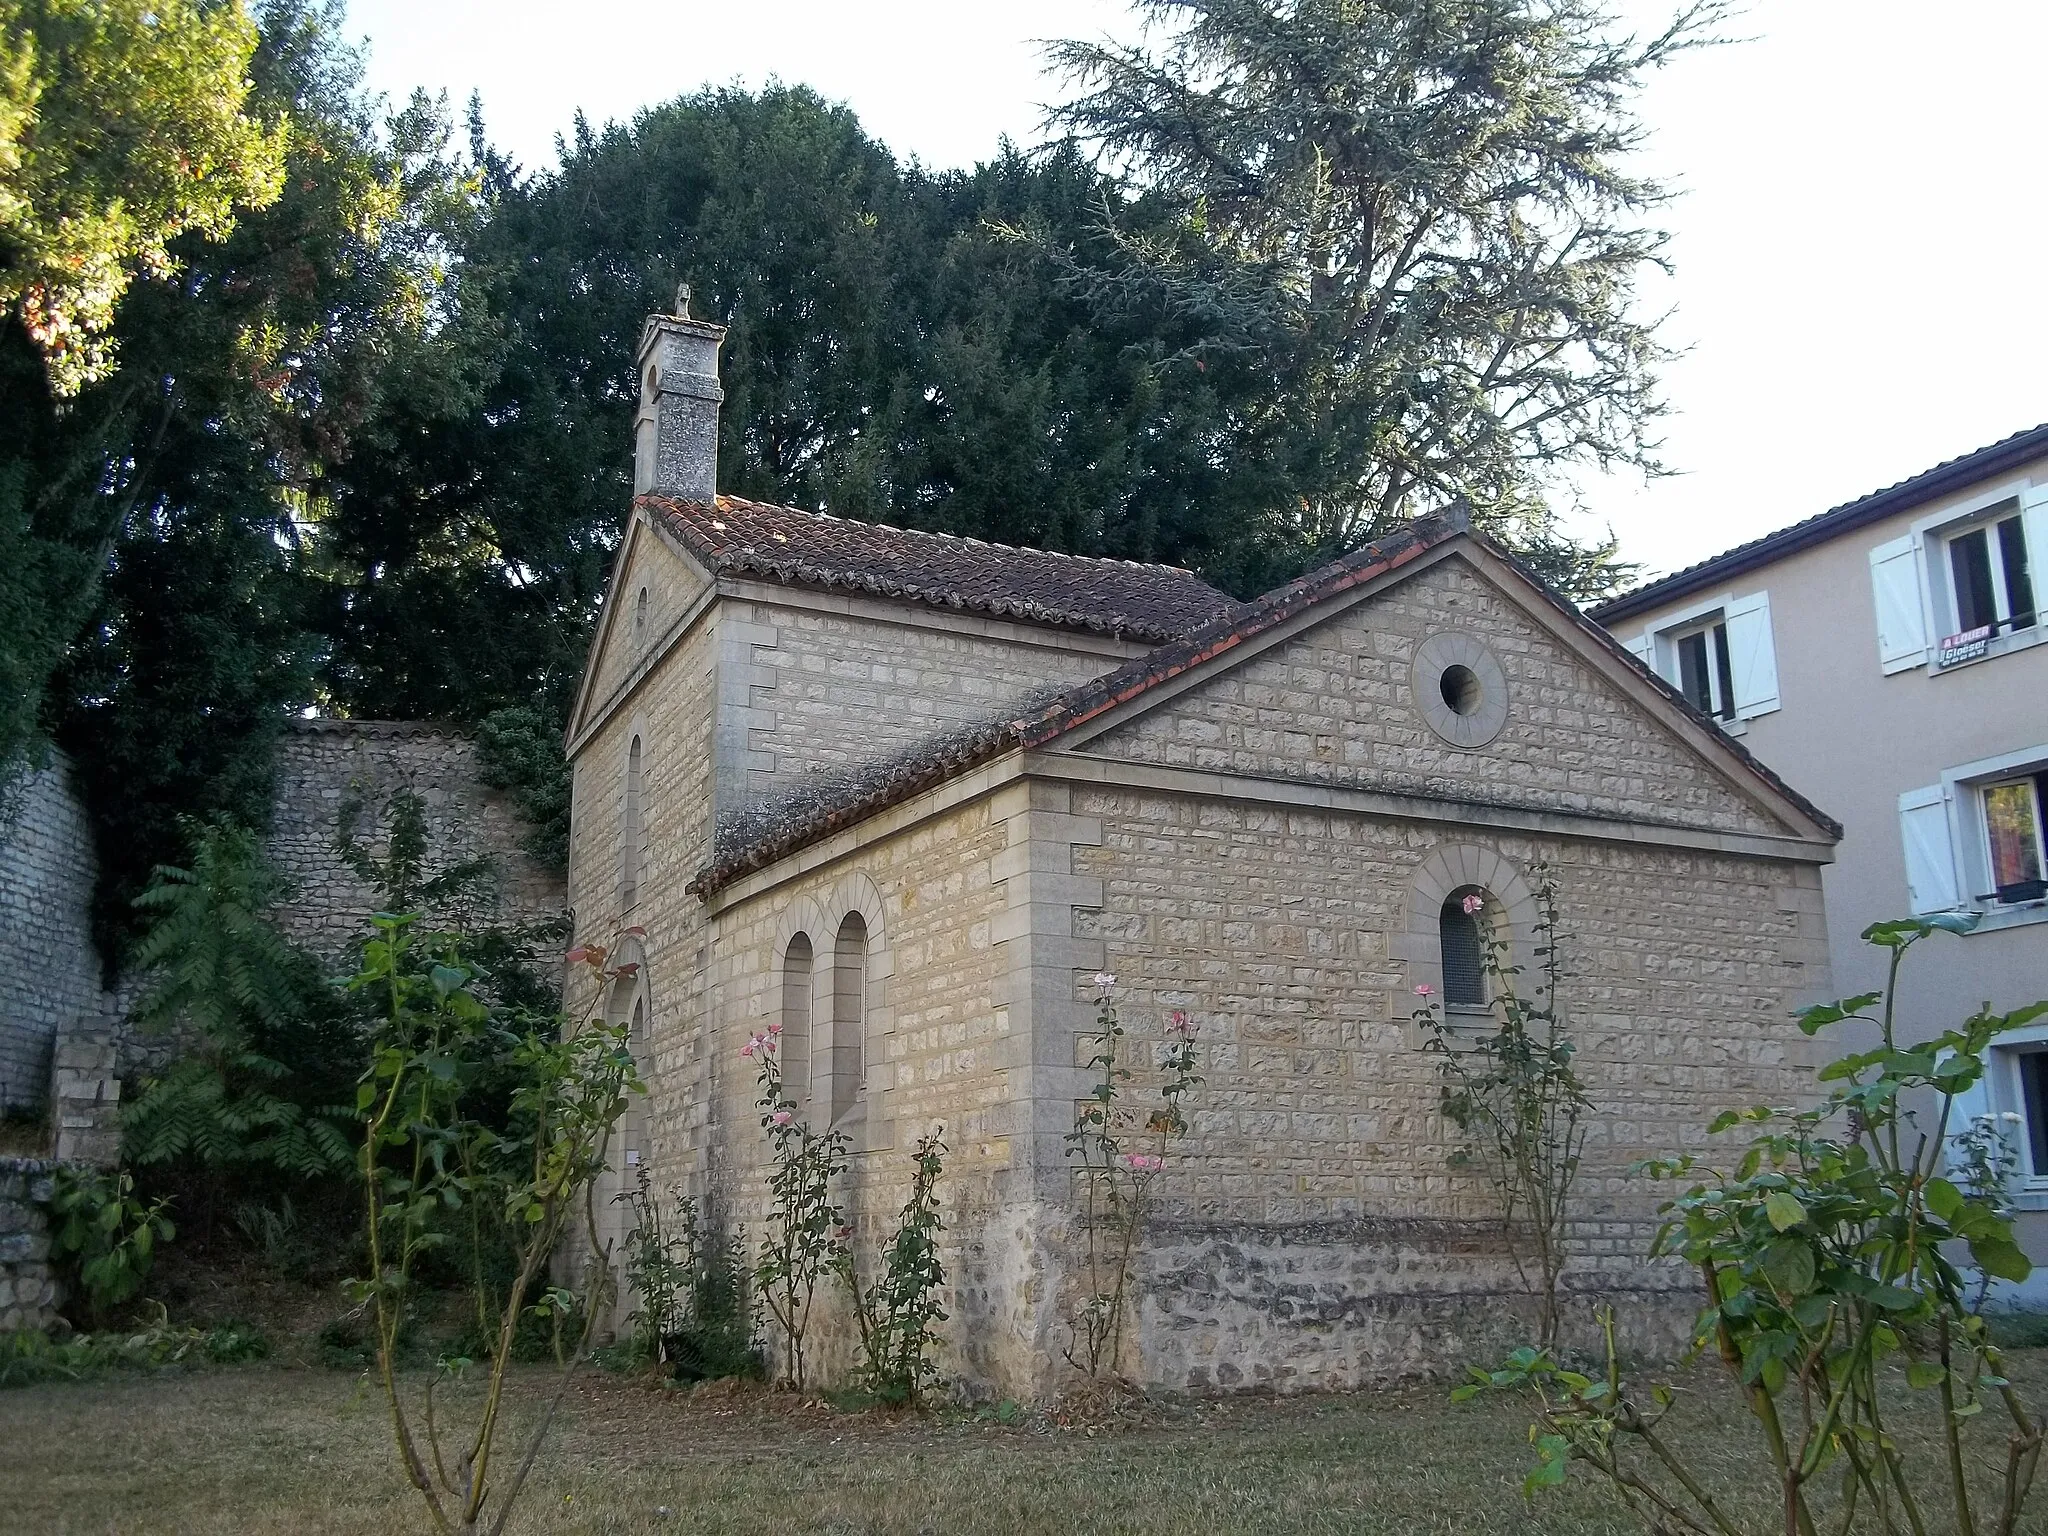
point(796, 1020)
point(632, 1124)
point(640, 615)
point(630, 833)
point(1461, 930)
point(849, 1011)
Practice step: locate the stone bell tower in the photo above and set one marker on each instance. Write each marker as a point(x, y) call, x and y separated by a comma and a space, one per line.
point(675, 435)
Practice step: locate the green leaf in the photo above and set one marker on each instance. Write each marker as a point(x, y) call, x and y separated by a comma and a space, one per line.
point(1789, 1263)
point(1922, 1374)
point(1784, 1210)
point(1943, 1199)
point(2001, 1256)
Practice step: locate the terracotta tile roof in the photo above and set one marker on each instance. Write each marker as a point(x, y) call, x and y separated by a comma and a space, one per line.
point(783, 828)
point(810, 549)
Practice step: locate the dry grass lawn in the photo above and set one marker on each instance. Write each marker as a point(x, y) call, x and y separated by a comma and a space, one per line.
point(274, 1449)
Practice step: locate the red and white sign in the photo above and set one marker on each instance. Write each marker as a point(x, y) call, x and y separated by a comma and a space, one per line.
point(1970, 645)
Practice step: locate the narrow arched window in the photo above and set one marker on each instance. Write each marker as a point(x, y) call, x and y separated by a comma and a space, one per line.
point(629, 833)
point(1461, 928)
point(796, 1020)
point(633, 1124)
point(849, 1011)
point(640, 616)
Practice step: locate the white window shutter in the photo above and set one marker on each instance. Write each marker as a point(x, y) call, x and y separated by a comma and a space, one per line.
point(1901, 625)
point(1930, 856)
point(2034, 506)
point(1644, 647)
point(1752, 657)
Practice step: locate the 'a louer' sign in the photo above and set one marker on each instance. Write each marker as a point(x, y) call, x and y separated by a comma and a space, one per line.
point(1970, 645)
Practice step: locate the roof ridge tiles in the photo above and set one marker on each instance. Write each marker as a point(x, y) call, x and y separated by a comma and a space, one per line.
point(940, 533)
point(738, 536)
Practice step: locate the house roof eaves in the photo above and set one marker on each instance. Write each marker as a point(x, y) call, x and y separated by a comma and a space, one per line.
point(1980, 464)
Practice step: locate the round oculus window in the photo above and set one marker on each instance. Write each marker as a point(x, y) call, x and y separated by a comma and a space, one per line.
point(1460, 689)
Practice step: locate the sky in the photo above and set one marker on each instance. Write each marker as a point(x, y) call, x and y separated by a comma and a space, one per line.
point(1858, 247)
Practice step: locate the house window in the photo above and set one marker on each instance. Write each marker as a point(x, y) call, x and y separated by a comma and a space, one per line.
point(1990, 583)
point(1962, 586)
point(640, 615)
point(849, 1013)
point(2032, 1068)
point(632, 1123)
point(796, 1020)
point(1980, 839)
point(2015, 811)
point(1704, 674)
point(1462, 937)
point(1720, 655)
point(630, 833)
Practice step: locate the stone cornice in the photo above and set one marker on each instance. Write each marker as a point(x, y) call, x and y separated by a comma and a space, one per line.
point(1076, 768)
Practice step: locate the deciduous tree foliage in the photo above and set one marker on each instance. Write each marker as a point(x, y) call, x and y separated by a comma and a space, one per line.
point(121, 128)
point(178, 498)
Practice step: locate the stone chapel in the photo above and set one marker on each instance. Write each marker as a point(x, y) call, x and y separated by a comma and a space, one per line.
point(907, 794)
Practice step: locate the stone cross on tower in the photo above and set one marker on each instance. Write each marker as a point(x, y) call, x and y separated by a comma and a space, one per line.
point(675, 434)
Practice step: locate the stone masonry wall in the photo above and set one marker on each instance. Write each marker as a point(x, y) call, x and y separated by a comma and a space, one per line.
point(324, 764)
point(1334, 705)
point(938, 1048)
point(835, 686)
point(1315, 1231)
point(29, 1291)
point(52, 975)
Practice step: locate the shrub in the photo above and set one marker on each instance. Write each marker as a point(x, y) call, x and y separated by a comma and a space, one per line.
point(426, 1152)
point(104, 1237)
point(896, 1313)
point(1516, 1094)
point(1116, 1184)
point(695, 1311)
point(806, 1231)
point(28, 1357)
point(1826, 1258)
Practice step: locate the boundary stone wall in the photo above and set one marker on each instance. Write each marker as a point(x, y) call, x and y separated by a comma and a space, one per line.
point(29, 1292)
point(64, 1044)
point(51, 979)
point(324, 764)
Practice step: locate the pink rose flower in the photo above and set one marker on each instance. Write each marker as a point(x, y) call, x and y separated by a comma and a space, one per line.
point(1472, 904)
point(774, 1030)
point(1144, 1162)
point(781, 1117)
point(1423, 989)
point(1180, 1024)
point(1104, 980)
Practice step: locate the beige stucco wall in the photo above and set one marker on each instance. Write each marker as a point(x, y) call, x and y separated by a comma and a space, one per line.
point(1854, 739)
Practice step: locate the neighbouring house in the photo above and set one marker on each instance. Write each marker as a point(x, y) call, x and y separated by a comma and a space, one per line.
point(1887, 656)
point(906, 794)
